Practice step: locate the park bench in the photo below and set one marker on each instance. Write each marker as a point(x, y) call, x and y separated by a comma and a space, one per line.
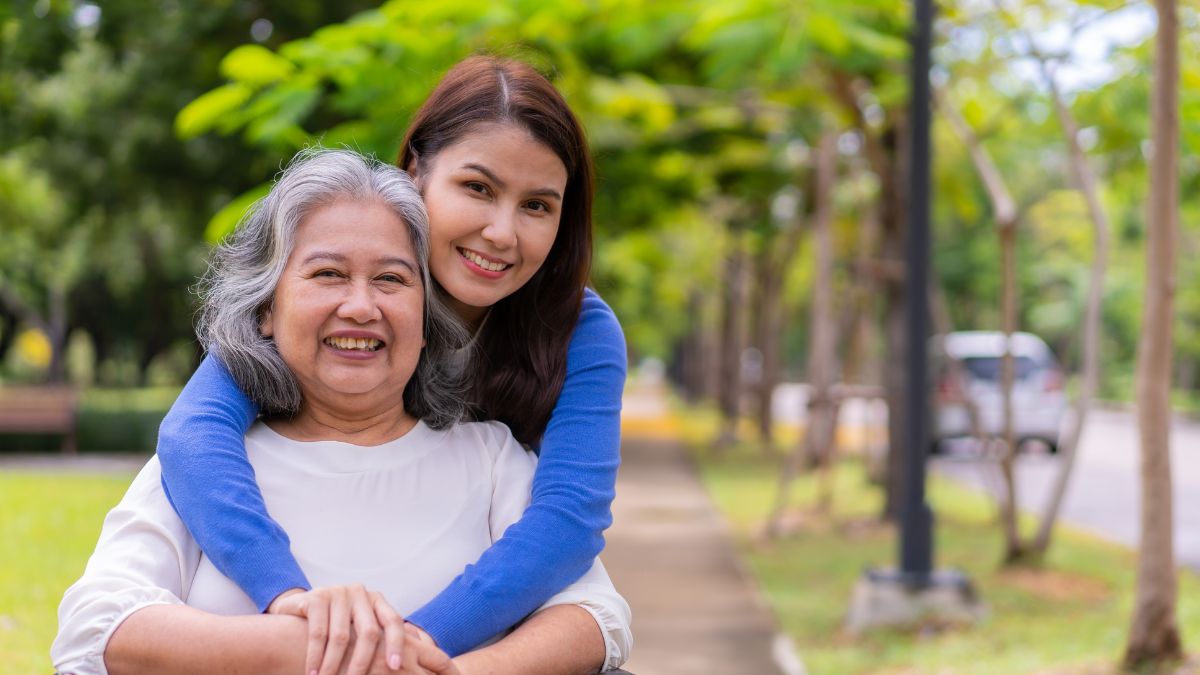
point(40, 410)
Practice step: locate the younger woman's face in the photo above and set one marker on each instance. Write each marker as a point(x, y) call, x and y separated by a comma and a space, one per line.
point(494, 198)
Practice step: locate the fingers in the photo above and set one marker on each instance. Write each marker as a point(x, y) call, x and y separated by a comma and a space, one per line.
point(393, 631)
point(367, 632)
point(428, 657)
point(338, 634)
point(317, 611)
point(350, 630)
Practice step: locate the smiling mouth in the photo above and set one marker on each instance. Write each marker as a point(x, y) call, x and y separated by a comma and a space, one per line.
point(483, 263)
point(354, 344)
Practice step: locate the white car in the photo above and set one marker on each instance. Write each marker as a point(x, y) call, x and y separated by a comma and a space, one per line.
point(1039, 401)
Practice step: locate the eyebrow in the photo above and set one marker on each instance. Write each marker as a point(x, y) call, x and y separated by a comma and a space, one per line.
point(540, 192)
point(384, 261)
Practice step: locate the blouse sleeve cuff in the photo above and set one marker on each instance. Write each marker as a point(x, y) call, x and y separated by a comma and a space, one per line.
point(611, 613)
point(618, 641)
point(79, 649)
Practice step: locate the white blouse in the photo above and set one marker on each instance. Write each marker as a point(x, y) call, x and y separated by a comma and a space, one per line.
point(403, 518)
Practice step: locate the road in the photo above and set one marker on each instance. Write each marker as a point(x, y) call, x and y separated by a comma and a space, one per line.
point(1104, 494)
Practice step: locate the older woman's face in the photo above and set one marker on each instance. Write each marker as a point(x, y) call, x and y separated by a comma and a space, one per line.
point(347, 315)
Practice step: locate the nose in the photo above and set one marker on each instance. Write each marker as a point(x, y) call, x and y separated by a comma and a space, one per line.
point(359, 304)
point(501, 232)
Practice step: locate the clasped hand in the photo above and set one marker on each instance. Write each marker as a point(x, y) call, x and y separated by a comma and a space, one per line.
point(353, 631)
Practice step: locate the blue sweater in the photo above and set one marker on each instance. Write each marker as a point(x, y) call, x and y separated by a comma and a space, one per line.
point(211, 484)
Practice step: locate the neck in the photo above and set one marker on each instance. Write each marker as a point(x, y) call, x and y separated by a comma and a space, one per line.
point(320, 421)
point(470, 315)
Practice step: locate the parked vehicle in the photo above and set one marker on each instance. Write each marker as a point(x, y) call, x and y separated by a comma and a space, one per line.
point(1038, 399)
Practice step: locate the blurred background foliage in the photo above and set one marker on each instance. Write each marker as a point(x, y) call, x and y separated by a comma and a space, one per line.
point(133, 137)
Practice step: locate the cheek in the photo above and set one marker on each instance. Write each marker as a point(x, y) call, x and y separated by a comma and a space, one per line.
point(540, 248)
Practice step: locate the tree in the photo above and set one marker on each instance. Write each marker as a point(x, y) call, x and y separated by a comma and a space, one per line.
point(88, 94)
point(816, 447)
point(1154, 632)
point(1007, 218)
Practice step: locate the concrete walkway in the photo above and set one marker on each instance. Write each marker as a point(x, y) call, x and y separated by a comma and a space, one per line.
point(669, 552)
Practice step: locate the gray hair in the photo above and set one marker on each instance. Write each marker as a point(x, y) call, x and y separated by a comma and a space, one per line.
point(247, 266)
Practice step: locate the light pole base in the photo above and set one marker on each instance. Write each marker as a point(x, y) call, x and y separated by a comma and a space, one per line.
point(887, 598)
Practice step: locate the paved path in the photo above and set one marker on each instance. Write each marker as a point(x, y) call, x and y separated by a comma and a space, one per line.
point(670, 555)
point(118, 463)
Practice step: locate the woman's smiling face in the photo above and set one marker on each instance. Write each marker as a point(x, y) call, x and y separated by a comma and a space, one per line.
point(494, 199)
point(348, 312)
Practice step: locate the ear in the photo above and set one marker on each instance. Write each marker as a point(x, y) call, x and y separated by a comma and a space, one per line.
point(266, 325)
point(414, 168)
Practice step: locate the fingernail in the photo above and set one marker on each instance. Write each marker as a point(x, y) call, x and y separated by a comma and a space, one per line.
point(394, 661)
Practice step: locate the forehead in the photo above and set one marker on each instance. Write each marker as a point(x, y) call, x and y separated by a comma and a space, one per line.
point(349, 223)
point(504, 147)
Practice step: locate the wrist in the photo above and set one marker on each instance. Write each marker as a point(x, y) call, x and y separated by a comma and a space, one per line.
point(273, 608)
point(421, 634)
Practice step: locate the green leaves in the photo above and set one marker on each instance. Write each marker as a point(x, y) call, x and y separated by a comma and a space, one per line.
point(226, 220)
point(255, 65)
point(213, 110)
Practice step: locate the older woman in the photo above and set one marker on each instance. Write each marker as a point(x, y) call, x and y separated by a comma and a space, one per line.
point(321, 308)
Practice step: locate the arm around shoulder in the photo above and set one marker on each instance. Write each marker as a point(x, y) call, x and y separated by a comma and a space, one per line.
point(209, 481)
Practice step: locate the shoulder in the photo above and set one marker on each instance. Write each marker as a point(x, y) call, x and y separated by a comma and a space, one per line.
point(507, 460)
point(597, 328)
point(595, 316)
point(491, 437)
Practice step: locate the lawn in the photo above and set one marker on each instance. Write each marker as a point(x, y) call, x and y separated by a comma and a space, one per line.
point(49, 523)
point(1069, 616)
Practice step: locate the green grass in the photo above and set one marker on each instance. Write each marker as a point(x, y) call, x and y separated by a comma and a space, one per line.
point(48, 527)
point(1070, 615)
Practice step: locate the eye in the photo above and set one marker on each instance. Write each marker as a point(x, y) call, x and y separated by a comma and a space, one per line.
point(327, 273)
point(477, 187)
point(538, 205)
point(393, 278)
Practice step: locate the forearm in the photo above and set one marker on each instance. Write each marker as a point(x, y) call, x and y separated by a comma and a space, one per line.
point(211, 485)
point(181, 640)
point(560, 640)
point(561, 532)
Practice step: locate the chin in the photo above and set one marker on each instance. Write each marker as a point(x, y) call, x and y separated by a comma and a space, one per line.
point(349, 385)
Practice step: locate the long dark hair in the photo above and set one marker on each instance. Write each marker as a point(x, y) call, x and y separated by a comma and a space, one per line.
point(522, 347)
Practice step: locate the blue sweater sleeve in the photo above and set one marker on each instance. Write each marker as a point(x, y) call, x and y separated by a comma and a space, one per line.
point(561, 532)
point(210, 483)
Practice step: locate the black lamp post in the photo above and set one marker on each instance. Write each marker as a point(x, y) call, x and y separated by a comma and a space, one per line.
point(916, 524)
point(914, 592)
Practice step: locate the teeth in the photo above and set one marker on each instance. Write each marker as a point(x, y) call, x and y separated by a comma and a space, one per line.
point(363, 344)
point(485, 264)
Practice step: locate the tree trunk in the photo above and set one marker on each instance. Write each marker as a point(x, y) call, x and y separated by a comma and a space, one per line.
point(1013, 548)
point(886, 153)
point(893, 210)
point(1085, 180)
point(8, 330)
point(1005, 210)
point(861, 364)
point(768, 326)
point(730, 383)
point(815, 447)
point(57, 334)
point(1154, 632)
point(688, 366)
point(822, 349)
